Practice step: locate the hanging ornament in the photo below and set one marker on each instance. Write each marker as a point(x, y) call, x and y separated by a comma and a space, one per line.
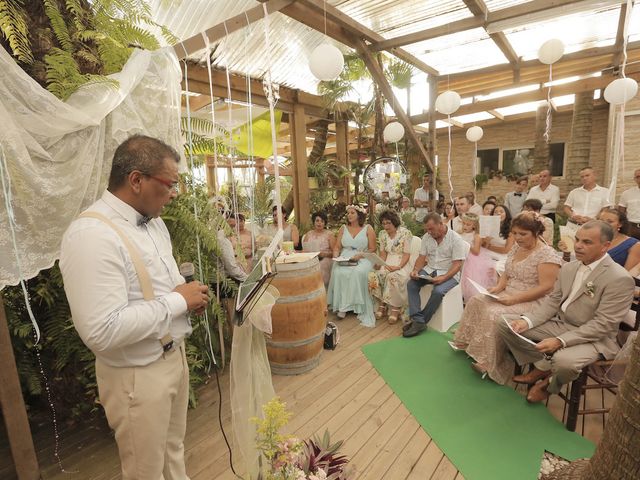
point(448, 102)
point(326, 62)
point(393, 132)
point(551, 51)
point(621, 91)
point(475, 133)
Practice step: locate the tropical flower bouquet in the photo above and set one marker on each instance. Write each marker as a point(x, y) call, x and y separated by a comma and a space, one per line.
point(285, 457)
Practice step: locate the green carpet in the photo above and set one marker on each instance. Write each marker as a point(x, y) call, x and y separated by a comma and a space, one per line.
point(488, 431)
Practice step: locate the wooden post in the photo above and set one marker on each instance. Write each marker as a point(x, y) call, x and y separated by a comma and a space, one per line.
point(379, 78)
point(13, 409)
point(579, 151)
point(342, 155)
point(299, 154)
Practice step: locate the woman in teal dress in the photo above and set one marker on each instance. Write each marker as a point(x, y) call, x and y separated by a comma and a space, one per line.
point(348, 289)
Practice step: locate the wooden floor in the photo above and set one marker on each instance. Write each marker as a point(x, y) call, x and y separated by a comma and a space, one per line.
point(344, 394)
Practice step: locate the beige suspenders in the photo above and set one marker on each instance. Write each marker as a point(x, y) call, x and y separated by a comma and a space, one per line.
point(138, 264)
point(143, 275)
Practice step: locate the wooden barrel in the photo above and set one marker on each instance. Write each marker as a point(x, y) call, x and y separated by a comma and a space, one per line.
point(298, 318)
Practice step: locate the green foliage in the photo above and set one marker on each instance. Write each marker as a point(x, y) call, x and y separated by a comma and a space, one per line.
point(64, 76)
point(89, 40)
point(13, 25)
point(480, 180)
point(326, 171)
point(399, 73)
point(66, 362)
point(410, 222)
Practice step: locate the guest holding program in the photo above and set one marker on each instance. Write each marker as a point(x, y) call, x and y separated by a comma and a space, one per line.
point(388, 284)
point(442, 253)
point(349, 288)
point(578, 322)
point(531, 269)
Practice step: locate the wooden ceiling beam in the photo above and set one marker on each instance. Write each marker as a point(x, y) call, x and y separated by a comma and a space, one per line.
point(479, 8)
point(496, 114)
point(197, 42)
point(342, 28)
point(619, 45)
point(378, 76)
point(477, 21)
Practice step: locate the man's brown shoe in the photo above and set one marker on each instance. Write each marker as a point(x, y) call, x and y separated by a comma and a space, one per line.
point(532, 377)
point(538, 392)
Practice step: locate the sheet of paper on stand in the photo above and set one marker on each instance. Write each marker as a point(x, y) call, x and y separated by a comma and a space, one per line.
point(296, 257)
point(481, 289)
point(489, 226)
point(508, 319)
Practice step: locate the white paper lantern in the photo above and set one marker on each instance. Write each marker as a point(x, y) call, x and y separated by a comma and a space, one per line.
point(621, 91)
point(474, 133)
point(326, 62)
point(551, 51)
point(393, 132)
point(448, 102)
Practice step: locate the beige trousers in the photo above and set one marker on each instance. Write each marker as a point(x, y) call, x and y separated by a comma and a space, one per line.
point(147, 409)
point(566, 363)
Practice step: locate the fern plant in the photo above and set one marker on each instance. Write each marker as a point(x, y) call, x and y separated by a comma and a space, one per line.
point(64, 44)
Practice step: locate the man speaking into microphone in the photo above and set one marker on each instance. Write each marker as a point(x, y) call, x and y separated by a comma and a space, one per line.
point(129, 304)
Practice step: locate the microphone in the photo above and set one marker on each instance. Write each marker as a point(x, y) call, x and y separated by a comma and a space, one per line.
point(187, 270)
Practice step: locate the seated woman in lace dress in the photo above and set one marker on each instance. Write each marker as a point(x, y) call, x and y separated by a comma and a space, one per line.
point(530, 272)
point(348, 288)
point(320, 240)
point(388, 284)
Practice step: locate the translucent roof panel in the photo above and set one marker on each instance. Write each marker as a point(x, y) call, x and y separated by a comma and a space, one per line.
point(493, 5)
point(458, 52)
point(393, 18)
point(578, 31)
point(634, 23)
point(473, 117)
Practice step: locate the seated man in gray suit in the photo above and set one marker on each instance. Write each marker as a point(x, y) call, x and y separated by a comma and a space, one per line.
point(578, 322)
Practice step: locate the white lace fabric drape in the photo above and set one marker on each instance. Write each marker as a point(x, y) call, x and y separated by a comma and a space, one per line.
point(58, 154)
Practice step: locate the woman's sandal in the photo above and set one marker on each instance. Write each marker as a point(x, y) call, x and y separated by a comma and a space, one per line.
point(481, 369)
point(381, 311)
point(394, 316)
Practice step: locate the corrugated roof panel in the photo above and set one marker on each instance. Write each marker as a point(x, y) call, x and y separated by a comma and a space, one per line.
point(391, 18)
point(578, 32)
point(493, 5)
point(634, 23)
point(246, 52)
point(459, 52)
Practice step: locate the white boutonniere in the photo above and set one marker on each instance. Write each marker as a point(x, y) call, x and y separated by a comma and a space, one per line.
point(590, 289)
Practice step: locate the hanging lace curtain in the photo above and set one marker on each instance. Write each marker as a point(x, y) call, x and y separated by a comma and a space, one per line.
point(57, 155)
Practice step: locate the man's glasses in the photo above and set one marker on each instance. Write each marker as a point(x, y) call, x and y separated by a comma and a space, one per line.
point(172, 186)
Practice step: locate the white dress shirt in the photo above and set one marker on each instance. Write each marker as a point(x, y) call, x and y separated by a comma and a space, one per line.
point(441, 255)
point(549, 197)
point(104, 292)
point(630, 199)
point(588, 202)
point(229, 259)
point(476, 208)
point(422, 195)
